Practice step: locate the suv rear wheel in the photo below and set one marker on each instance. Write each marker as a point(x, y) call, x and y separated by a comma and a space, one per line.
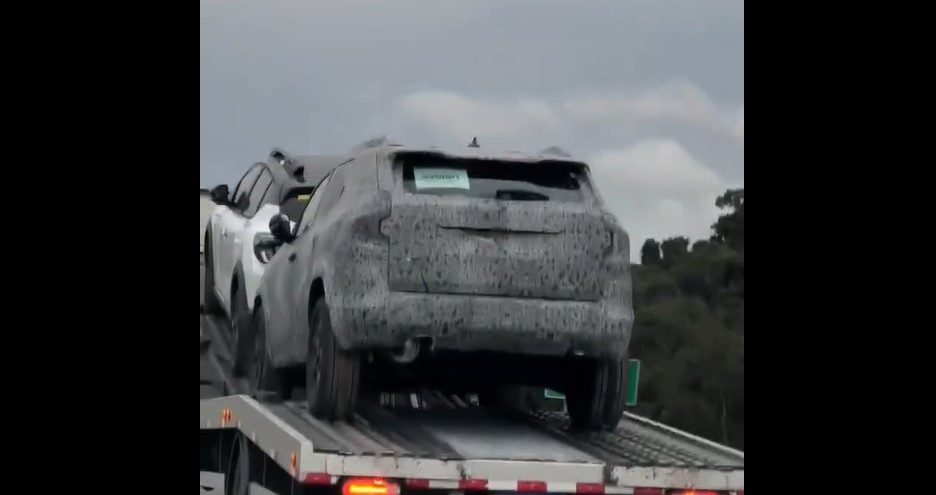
point(597, 400)
point(264, 376)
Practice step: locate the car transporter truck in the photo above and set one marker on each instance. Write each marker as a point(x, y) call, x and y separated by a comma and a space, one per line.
point(409, 443)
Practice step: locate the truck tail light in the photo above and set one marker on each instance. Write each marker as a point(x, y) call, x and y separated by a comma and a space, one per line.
point(662, 491)
point(369, 486)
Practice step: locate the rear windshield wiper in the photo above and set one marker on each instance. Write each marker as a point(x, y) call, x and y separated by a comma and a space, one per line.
point(520, 195)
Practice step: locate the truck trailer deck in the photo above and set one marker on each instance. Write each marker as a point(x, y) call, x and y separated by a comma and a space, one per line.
point(432, 441)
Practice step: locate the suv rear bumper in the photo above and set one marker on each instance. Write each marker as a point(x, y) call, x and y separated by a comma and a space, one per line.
point(481, 323)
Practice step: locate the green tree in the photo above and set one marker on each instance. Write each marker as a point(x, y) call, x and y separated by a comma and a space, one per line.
point(729, 228)
point(689, 329)
point(673, 250)
point(700, 245)
point(650, 253)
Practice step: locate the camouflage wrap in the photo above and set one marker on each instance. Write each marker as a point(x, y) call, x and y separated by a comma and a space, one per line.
point(472, 274)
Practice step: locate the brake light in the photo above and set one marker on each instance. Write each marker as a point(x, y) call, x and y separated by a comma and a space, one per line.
point(369, 486)
point(662, 491)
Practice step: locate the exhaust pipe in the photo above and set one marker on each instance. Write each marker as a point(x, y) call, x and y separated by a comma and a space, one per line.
point(411, 350)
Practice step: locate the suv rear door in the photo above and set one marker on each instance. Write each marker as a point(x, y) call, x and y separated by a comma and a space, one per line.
point(495, 228)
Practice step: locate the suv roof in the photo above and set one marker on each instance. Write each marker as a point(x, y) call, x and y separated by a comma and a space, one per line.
point(384, 145)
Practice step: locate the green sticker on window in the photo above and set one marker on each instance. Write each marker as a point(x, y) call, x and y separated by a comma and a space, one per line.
point(441, 178)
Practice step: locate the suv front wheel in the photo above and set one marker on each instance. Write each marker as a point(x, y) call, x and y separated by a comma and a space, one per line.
point(211, 302)
point(332, 374)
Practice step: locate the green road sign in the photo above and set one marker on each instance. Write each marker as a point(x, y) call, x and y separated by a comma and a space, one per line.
point(633, 380)
point(552, 394)
point(633, 374)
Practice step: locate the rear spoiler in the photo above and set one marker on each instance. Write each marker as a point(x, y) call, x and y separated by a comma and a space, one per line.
point(546, 160)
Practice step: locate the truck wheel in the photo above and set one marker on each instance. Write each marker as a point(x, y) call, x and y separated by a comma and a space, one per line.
point(212, 304)
point(332, 374)
point(242, 333)
point(597, 401)
point(237, 468)
point(265, 376)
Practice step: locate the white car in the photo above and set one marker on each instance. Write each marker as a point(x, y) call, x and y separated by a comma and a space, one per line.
point(234, 251)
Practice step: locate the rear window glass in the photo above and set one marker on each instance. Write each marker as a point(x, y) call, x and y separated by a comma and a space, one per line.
point(295, 202)
point(494, 179)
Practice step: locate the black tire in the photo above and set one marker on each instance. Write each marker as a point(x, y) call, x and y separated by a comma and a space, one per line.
point(211, 303)
point(243, 333)
point(264, 376)
point(237, 468)
point(332, 374)
point(597, 401)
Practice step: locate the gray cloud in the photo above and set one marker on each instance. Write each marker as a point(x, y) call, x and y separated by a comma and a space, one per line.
point(649, 91)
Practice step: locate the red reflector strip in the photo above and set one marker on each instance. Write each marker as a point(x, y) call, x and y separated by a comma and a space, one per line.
point(591, 488)
point(474, 484)
point(648, 491)
point(417, 484)
point(317, 479)
point(531, 486)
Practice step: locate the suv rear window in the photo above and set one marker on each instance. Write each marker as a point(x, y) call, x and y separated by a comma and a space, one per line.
point(491, 179)
point(295, 202)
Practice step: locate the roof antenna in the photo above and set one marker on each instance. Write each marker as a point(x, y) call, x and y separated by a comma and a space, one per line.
point(474, 143)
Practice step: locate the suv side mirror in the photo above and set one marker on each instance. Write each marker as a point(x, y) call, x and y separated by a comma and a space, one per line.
point(281, 228)
point(265, 246)
point(220, 194)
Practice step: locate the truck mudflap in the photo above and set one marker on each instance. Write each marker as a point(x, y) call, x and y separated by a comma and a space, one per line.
point(411, 452)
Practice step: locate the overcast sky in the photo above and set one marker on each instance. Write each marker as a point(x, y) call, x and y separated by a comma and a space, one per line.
point(649, 92)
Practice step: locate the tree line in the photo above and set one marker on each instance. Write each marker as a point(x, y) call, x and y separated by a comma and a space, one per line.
point(689, 328)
